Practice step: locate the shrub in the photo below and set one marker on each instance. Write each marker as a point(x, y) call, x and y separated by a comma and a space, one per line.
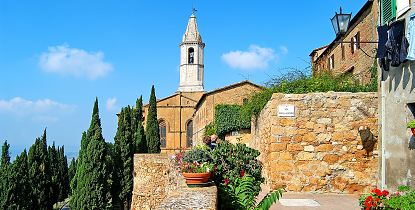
point(231, 162)
point(200, 153)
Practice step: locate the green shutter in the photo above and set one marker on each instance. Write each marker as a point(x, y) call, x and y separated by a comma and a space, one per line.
point(388, 11)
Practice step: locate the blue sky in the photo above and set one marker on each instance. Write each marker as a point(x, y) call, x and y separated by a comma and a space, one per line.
point(57, 56)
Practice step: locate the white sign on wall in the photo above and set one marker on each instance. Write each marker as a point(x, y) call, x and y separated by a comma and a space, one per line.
point(286, 110)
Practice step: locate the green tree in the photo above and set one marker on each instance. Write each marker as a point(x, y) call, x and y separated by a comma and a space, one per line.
point(39, 174)
point(152, 127)
point(63, 176)
point(79, 166)
point(20, 184)
point(93, 175)
point(5, 176)
point(139, 133)
point(124, 146)
point(72, 172)
point(54, 173)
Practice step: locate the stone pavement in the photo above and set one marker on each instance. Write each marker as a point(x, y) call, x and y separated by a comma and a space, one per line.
point(314, 201)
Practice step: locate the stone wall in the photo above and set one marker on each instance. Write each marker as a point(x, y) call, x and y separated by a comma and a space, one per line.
point(159, 185)
point(326, 147)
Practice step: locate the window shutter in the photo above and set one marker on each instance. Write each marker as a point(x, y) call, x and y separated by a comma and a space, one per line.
point(388, 10)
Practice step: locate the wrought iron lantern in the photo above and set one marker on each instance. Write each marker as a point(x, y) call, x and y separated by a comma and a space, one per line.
point(341, 22)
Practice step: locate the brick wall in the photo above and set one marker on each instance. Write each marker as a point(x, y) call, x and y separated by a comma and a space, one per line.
point(321, 148)
point(356, 62)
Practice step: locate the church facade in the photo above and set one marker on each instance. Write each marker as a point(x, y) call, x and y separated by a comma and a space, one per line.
point(183, 115)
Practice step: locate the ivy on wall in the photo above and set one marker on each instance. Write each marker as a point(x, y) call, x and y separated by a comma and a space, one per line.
point(230, 118)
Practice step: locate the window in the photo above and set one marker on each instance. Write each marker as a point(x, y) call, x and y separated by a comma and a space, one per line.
point(189, 134)
point(343, 54)
point(387, 10)
point(402, 6)
point(355, 42)
point(191, 55)
point(331, 62)
point(162, 131)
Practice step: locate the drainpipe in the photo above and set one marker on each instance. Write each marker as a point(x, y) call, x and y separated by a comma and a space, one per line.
point(383, 131)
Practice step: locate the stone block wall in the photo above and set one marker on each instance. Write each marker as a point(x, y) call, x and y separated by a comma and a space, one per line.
point(159, 185)
point(320, 149)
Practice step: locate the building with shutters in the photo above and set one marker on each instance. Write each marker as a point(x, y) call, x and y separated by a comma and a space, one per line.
point(397, 106)
point(351, 58)
point(176, 113)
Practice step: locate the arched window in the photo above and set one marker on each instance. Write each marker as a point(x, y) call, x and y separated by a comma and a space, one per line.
point(162, 131)
point(189, 134)
point(191, 55)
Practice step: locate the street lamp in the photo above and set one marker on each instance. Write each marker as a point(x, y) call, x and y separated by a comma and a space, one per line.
point(341, 22)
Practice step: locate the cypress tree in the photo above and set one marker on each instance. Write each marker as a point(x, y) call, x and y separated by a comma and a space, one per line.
point(20, 189)
point(54, 173)
point(79, 170)
point(72, 172)
point(63, 178)
point(39, 174)
point(152, 127)
point(93, 174)
point(5, 176)
point(124, 144)
point(139, 134)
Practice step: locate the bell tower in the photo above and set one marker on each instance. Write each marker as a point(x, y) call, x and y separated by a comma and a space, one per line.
point(191, 58)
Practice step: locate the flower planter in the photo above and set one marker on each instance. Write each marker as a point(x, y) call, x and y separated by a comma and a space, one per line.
point(413, 131)
point(196, 178)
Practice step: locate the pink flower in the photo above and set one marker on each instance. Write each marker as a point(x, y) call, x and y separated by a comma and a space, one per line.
point(226, 182)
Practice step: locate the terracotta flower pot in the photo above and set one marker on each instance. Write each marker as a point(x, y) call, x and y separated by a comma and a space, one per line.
point(196, 178)
point(413, 131)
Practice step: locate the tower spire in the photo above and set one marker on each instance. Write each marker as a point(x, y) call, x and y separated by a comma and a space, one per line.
point(191, 58)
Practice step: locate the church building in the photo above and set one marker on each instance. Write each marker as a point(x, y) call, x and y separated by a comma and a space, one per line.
point(183, 115)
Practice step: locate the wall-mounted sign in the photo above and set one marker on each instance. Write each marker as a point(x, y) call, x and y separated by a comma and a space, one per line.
point(286, 110)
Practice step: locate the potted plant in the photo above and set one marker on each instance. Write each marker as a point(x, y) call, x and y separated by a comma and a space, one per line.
point(195, 165)
point(411, 125)
point(196, 173)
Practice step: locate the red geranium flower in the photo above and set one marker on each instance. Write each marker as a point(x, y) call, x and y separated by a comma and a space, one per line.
point(385, 193)
point(368, 202)
point(242, 173)
point(377, 192)
point(226, 182)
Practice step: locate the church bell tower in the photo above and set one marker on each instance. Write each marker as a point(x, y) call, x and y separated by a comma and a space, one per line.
point(191, 58)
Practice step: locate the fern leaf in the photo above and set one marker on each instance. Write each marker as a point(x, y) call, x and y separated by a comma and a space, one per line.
point(269, 199)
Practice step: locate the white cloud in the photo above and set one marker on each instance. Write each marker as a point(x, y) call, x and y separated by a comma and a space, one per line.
point(64, 60)
point(39, 110)
point(255, 57)
point(283, 50)
point(111, 103)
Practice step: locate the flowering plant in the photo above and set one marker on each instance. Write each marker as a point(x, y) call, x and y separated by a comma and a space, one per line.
point(376, 199)
point(192, 167)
